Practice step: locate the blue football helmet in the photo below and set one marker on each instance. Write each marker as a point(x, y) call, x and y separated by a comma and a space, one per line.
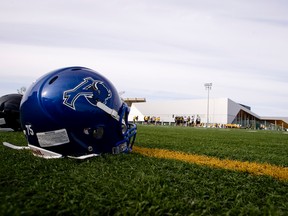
point(9, 111)
point(76, 111)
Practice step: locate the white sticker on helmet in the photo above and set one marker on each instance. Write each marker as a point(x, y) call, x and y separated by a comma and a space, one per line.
point(53, 138)
point(2, 121)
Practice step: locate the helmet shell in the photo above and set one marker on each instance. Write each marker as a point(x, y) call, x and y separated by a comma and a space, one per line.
point(60, 112)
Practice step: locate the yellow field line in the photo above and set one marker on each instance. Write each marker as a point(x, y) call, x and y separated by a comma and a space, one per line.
point(250, 167)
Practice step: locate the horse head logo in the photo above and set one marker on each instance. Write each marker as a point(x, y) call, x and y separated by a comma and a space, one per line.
point(93, 91)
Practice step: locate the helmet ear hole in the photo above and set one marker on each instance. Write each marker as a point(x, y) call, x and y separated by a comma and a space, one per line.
point(98, 133)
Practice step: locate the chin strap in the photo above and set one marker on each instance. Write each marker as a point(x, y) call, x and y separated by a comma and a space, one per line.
point(43, 153)
point(121, 148)
point(9, 145)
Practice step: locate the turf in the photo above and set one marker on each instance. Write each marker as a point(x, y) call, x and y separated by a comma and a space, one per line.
point(244, 145)
point(133, 184)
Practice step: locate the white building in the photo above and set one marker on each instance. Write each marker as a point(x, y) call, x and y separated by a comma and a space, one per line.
point(221, 111)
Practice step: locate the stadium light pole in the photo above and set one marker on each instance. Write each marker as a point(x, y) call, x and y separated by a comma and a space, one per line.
point(208, 87)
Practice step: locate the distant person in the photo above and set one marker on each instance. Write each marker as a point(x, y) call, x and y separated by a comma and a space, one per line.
point(158, 120)
point(146, 119)
point(135, 118)
point(198, 121)
point(177, 120)
point(185, 121)
point(188, 121)
point(192, 120)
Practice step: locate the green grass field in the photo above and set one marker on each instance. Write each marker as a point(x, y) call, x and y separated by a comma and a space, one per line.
point(133, 184)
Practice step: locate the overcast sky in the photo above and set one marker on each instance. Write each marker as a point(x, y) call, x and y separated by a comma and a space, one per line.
point(157, 49)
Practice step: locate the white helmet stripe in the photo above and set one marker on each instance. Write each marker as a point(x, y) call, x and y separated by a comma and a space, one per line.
point(108, 110)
